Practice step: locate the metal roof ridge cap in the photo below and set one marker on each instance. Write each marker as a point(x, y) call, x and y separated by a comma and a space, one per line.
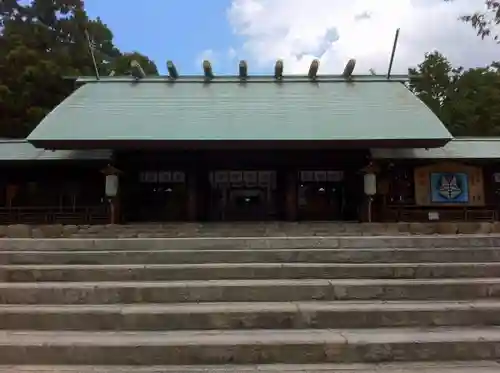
point(250, 79)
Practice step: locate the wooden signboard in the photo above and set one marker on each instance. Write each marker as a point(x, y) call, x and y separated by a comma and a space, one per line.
point(449, 184)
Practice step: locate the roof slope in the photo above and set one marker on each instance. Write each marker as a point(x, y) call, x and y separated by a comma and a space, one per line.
point(230, 110)
point(458, 148)
point(21, 150)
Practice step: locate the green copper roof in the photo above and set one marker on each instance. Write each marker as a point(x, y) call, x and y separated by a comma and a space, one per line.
point(458, 148)
point(23, 151)
point(227, 109)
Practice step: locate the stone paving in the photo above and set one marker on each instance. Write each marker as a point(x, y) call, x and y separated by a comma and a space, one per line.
point(254, 229)
point(451, 367)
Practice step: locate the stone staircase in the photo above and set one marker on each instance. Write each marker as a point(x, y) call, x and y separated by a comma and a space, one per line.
point(246, 229)
point(311, 304)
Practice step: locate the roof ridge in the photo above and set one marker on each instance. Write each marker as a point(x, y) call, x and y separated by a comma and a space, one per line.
point(249, 79)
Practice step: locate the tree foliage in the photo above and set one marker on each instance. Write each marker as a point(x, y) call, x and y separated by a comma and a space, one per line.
point(485, 22)
point(467, 101)
point(40, 43)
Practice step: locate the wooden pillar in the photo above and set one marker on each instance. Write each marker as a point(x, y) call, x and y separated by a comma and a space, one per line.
point(192, 195)
point(115, 213)
point(203, 189)
point(363, 210)
point(291, 195)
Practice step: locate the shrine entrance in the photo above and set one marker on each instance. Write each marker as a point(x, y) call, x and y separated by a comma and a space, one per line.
point(327, 195)
point(230, 185)
point(242, 195)
point(157, 196)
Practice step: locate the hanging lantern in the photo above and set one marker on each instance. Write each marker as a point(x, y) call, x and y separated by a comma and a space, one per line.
point(111, 185)
point(370, 184)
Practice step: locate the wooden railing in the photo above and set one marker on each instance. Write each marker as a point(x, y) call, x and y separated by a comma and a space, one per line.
point(408, 213)
point(55, 215)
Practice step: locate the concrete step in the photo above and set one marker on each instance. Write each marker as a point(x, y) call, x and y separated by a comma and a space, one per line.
point(227, 316)
point(222, 271)
point(448, 367)
point(188, 256)
point(247, 291)
point(254, 243)
point(249, 347)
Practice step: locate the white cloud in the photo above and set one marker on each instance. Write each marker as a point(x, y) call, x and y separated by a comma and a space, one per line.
point(232, 53)
point(207, 54)
point(336, 30)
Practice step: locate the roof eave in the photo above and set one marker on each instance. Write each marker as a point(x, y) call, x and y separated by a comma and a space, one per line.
point(236, 144)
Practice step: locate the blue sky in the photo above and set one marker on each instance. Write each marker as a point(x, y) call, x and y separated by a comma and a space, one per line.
point(179, 30)
point(332, 31)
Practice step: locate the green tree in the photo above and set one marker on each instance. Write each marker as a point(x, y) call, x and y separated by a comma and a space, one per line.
point(42, 42)
point(431, 81)
point(121, 65)
point(485, 21)
point(475, 102)
point(467, 101)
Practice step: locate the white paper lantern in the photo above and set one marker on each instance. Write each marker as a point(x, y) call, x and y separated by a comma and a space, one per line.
point(370, 184)
point(111, 185)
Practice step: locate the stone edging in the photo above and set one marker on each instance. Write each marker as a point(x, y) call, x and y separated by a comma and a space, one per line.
point(271, 229)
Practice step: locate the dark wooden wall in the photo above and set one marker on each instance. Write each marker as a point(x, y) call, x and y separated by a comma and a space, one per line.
point(48, 192)
point(198, 164)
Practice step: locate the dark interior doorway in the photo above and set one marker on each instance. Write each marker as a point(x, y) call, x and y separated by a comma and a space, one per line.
point(327, 195)
point(242, 195)
point(157, 196)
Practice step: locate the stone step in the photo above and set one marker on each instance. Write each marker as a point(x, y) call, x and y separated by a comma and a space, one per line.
point(254, 243)
point(249, 346)
point(249, 229)
point(222, 271)
point(448, 367)
point(247, 291)
point(438, 255)
point(227, 316)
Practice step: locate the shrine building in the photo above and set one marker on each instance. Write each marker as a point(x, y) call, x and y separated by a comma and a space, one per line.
point(246, 148)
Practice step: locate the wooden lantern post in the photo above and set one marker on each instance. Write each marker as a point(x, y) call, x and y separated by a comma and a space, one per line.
point(112, 187)
point(370, 189)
